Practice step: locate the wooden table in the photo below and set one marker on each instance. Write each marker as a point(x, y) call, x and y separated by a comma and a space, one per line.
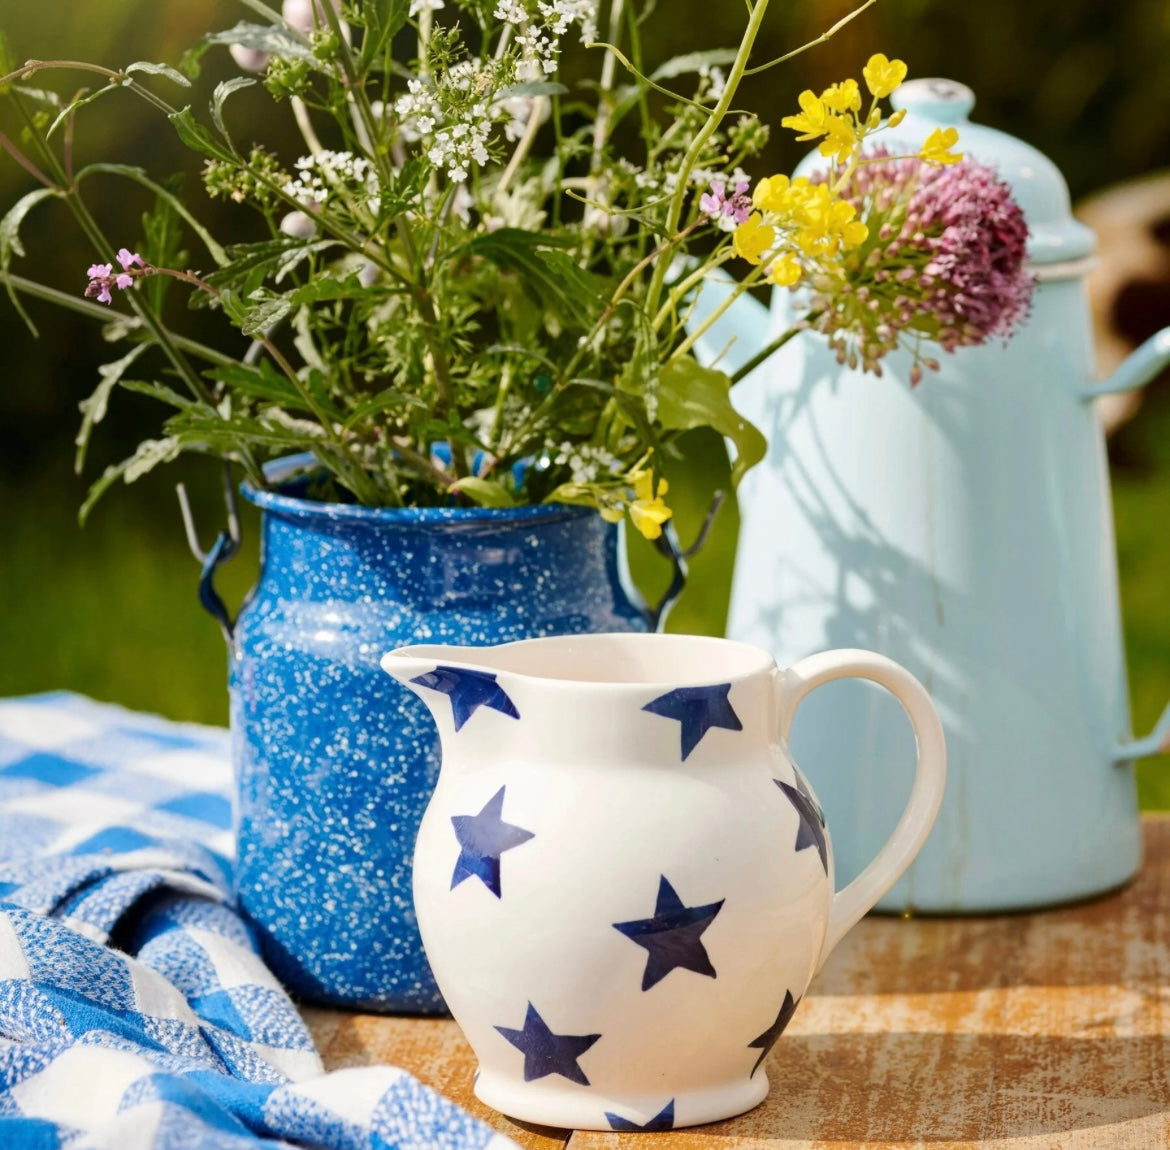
point(1037, 1031)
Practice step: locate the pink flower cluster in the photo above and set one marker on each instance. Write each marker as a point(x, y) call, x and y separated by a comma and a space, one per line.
point(946, 259)
point(723, 208)
point(102, 279)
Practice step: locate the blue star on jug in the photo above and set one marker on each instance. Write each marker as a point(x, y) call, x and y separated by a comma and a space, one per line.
point(811, 832)
point(767, 1040)
point(482, 839)
point(548, 1053)
point(697, 710)
point(671, 937)
point(468, 691)
point(663, 1120)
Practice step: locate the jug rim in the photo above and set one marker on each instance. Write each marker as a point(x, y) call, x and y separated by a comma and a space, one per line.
point(282, 503)
point(738, 661)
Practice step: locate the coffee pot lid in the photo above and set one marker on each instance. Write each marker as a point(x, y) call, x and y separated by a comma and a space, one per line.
point(1054, 236)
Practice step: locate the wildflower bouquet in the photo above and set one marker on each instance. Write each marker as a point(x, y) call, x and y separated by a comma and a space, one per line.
point(464, 290)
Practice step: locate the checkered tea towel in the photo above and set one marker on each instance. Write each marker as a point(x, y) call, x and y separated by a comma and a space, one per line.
point(135, 1011)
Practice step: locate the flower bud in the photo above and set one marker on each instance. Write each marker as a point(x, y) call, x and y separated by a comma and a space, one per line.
point(299, 225)
point(306, 15)
point(249, 59)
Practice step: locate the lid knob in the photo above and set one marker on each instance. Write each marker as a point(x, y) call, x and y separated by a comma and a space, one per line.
point(941, 100)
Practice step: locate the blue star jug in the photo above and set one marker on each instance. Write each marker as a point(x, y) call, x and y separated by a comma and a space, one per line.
point(622, 882)
point(964, 528)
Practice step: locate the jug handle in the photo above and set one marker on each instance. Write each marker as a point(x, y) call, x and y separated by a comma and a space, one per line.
point(226, 544)
point(850, 904)
point(1140, 368)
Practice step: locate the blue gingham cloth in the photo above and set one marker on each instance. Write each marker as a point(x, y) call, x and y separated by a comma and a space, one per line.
point(135, 1011)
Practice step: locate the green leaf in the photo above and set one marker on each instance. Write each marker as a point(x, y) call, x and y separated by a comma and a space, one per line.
point(196, 136)
point(162, 245)
point(150, 454)
point(222, 91)
point(551, 276)
point(259, 381)
point(536, 88)
point(7, 60)
point(161, 392)
point(159, 70)
point(694, 62)
point(389, 398)
point(38, 95)
point(384, 20)
point(693, 396)
point(484, 492)
point(254, 316)
point(140, 177)
point(76, 105)
point(321, 290)
point(11, 245)
point(275, 39)
point(93, 409)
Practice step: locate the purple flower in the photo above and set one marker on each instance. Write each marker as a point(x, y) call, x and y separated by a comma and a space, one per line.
point(102, 278)
point(712, 202)
point(739, 207)
point(946, 261)
point(723, 208)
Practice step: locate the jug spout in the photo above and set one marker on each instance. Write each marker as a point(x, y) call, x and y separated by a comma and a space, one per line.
point(454, 682)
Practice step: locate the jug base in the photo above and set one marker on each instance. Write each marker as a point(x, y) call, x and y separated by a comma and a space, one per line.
point(549, 1102)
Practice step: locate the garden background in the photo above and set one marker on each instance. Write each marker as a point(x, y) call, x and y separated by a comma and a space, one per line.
point(111, 610)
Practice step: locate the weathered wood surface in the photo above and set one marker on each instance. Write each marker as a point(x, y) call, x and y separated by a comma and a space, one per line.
point(1018, 1032)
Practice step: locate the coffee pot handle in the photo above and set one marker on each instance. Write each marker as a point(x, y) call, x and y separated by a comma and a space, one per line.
point(930, 772)
point(1142, 366)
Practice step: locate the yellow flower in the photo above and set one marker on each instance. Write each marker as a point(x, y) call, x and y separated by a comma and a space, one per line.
point(610, 514)
point(840, 140)
point(842, 97)
point(648, 512)
point(752, 238)
point(937, 149)
point(882, 76)
point(811, 120)
point(785, 271)
point(828, 225)
point(771, 194)
point(896, 118)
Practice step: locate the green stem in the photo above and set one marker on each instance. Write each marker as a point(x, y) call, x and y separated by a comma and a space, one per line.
point(104, 313)
point(26, 163)
point(351, 471)
point(766, 352)
point(122, 79)
point(691, 157)
point(744, 285)
point(607, 313)
point(812, 43)
point(679, 291)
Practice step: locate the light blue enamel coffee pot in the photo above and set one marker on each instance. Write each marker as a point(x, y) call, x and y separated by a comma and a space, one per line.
point(964, 529)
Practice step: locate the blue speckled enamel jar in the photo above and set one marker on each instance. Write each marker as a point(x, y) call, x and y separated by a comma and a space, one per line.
point(335, 761)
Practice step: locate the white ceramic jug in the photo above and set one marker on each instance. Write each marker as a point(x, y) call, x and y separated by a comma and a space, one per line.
point(623, 884)
point(963, 528)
